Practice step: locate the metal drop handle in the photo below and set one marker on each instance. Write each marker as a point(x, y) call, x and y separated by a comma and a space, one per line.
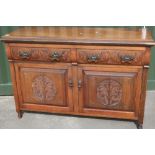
point(55, 56)
point(93, 58)
point(79, 84)
point(126, 58)
point(24, 54)
point(70, 82)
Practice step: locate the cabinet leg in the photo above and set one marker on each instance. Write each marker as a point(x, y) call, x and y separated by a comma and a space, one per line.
point(20, 114)
point(139, 125)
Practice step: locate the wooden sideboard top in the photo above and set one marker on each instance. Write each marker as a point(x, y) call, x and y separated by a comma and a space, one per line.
point(81, 35)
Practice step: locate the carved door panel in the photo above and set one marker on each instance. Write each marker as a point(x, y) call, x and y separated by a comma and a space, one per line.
point(47, 85)
point(110, 90)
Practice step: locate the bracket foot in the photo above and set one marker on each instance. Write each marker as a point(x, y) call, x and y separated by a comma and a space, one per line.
point(139, 125)
point(20, 114)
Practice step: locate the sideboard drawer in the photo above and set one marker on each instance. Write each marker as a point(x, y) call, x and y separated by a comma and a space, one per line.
point(51, 54)
point(113, 56)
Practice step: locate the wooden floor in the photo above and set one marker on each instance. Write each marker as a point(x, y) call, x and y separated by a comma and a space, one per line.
point(9, 120)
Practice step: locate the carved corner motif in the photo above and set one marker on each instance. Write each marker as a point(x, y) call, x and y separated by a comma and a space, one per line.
point(109, 92)
point(43, 88)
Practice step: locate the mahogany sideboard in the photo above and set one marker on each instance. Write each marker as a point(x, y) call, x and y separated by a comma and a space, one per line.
point(86, 71)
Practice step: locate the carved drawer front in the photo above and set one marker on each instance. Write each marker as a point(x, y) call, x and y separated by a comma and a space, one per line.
point(46, 85)
point(113, 56)
point(110, 89)
point(41, 54)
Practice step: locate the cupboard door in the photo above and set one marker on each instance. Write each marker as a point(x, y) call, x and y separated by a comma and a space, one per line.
point(109, 90)
point(45, 85)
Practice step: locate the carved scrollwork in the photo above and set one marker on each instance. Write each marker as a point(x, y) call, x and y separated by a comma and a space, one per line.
point(43, 88)
point(109, 92)
point(41, 54)
point(107, 56)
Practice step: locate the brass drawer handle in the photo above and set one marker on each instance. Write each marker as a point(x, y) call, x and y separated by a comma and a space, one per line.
point(25, 55)
point(55, 56)
point(127, 58)
point(93, 58)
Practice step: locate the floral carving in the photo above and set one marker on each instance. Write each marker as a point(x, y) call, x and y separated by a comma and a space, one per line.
point(110, 56)
point(109, 92)
point(41, 54)
point(43, 88)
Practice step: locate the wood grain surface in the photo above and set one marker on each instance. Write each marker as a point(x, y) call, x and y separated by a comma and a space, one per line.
point(81, 35)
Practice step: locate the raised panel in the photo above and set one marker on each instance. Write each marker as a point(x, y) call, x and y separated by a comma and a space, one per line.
point(44, 85)
point(109, 89)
